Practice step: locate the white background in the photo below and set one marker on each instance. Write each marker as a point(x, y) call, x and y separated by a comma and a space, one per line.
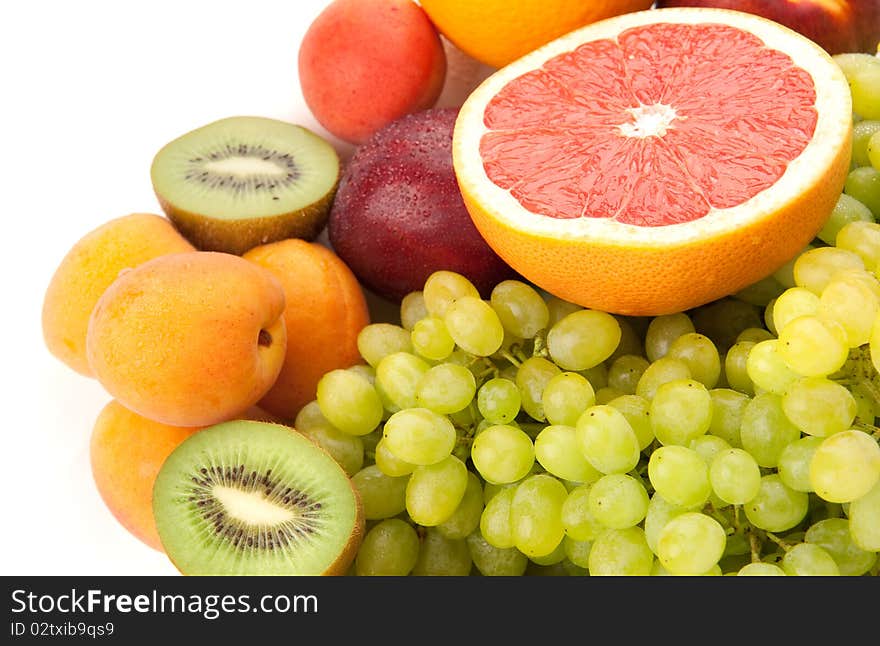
point(90, 91)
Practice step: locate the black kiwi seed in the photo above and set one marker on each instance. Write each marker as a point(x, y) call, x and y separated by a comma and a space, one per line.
point(246, 497)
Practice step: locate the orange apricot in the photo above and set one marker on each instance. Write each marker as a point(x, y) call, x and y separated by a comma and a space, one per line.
point(326, 309)
point(89, 267)
point(189, 339)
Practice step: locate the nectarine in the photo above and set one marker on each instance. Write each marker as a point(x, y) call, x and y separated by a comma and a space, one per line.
point(364, 63)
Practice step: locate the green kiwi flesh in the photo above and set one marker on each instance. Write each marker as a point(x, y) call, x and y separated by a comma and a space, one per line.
point(256, 498)
point(240, 182)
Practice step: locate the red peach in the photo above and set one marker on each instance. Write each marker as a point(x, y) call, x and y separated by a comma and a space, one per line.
point(365, 63)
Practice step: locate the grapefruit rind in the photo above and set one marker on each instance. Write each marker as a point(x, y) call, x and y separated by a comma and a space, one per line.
point(628, 269)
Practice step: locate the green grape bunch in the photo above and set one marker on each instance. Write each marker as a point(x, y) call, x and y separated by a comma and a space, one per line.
point(522, 434)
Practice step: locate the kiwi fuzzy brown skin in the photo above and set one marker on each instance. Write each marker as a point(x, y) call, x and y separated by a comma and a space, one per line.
point(344, 560)
point(238, 236)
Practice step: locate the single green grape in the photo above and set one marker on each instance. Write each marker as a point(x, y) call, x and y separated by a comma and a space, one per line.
point(419, 436)
point(767, 369)
point(430, 338)
point(466, 517)
point(735, 476)
point(389, 548)
point(636, 410)
point(754, 335)
point(794, 463)
point(618, 501)
point(862, 132)
point(728, 406)
point(864, 520)
point(536, 515)
point(833, 536)
point(578, 552)
point(382, 496)
point(446, 388)
point(553, 558)
point(660, 511)
point(808, 559)
point(777, 507)
point(346, 449)
point(845, 466)
point(819, 406)
point(701, 356)
point(499, 400)
point(583, 339)
point(559, 308)
point(663, 330)
point(442, 288)
point(813, 346)
point(814, 269)
point(558, 451)
point(520, 308)
point(852, 303)
point(691, 543)
point(474, 326)
point(532, 376)
point(625, 372)
point(495, 561)
point(378, 340)
point(397, 377)
point(349, 401)
point(577, 519)
point(495, 524)
point(502, 453)
point(680, 475)
point(708, 446)
point(863, 183)
point(765, 430)
point(847, 210)
point(389, 463)
point(735, 371)
point(659, 372)
point(873, 151)
point(565, 397)
point(759, 568)
point(863, 239)
point(434, 491)
point(680, 411)
point(607, 440)
point(862, 72)
point(441, 556)
point(792, 303)
point(621, 552)
point(412, 309)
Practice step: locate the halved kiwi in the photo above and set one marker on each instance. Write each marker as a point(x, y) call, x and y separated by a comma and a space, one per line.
point(256, 498)
point(240, 182)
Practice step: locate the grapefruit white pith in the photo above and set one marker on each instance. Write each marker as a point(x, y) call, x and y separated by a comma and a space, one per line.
point(656, 161)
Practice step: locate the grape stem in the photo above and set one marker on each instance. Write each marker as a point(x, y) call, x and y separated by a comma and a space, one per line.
point(781, 543)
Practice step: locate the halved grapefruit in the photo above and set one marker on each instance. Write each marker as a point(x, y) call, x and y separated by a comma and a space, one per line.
point(656, 161)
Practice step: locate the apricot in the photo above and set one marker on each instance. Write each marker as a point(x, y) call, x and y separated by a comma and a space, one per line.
point(189, 339)
point(126, 451)
point(326, 309)
point(364, 63)
point(88, 268)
